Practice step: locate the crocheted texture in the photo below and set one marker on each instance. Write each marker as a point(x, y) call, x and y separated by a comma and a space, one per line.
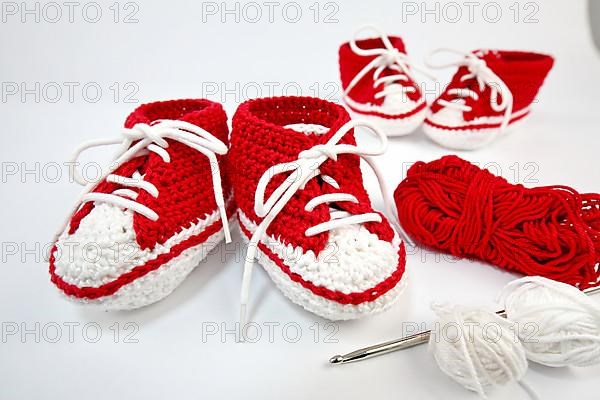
point(323, 284)
point(521, 73)
point(323, 266)
point(378, 84)
point(566, 321)
point(183, 183)
point(351, 64)
point(454, 206)
point(377, 77)
point(126, 246)
point(150, 282)
point(476, 357)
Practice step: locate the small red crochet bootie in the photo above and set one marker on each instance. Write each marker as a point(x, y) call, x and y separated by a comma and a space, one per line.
point(138, 231)
point(377, 78)
point(492, 90)
point(295, 170)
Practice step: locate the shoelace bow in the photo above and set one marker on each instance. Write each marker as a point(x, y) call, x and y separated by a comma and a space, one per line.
point(149, 138)
point(387, 58)
point(301, 172)
point(478, 70)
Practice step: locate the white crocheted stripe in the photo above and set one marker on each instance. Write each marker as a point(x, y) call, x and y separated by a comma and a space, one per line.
point(395, 126)
point(391, 105)
point(354, 259)
point(157, 284)
point(452, 118)
point(316, 304)
point(104, 246)
point(466, 139)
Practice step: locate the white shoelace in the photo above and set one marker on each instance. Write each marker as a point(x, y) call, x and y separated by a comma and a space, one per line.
point(301, 172)
point(149, 138)
point(484, 76)
point(387, 58)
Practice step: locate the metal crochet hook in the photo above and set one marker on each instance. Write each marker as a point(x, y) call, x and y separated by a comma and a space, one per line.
point(404, 343)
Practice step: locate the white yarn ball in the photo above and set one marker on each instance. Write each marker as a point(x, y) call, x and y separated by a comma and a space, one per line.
point(476, 348)
point(558, 324)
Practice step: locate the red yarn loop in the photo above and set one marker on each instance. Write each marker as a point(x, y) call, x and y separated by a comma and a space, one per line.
point(456, 207)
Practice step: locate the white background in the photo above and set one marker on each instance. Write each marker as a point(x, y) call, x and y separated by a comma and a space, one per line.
point(177, 51)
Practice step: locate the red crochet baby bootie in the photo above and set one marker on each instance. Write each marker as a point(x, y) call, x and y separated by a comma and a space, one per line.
point(377, 78)
point(139, 230)
point(492, 90)
point(305, 212)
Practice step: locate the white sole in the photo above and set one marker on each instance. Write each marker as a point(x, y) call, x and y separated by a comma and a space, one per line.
point(467, 139)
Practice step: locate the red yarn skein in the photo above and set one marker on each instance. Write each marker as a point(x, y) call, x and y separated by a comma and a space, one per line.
point(456, 207)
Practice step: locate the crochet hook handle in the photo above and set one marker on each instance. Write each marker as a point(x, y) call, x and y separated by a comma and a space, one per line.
point(403, 343)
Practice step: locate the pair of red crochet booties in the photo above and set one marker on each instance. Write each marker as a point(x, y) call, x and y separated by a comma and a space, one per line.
point(491, 91)
point(290, 171)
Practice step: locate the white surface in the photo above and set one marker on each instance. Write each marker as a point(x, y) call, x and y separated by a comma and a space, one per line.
point(169, 54)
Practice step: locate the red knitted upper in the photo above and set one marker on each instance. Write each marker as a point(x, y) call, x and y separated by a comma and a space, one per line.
point(351, 64)
point(523, 73)
point(259, 141)
point(185, 183)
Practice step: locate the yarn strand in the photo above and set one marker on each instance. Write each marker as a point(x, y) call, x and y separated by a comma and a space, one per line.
point(566, 332)
point(456, 207)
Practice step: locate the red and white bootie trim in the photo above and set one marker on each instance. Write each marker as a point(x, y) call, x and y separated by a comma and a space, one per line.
point(378, 82)
point(491, 91)
point(305, 212)
point(138, 231)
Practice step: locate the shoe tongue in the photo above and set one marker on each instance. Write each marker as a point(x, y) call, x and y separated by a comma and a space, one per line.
point(399, 101)
point(186, 110)
point(377, 43)
point(319, 135)
point(396, 101)
point(140, 117)
point(356, 62)
point(195, 111)
point(493, 59)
